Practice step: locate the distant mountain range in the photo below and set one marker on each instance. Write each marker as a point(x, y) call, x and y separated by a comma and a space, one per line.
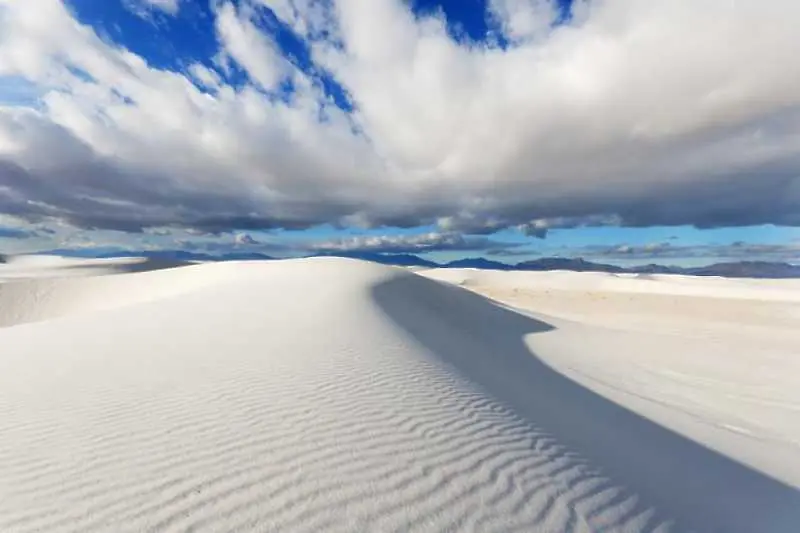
point(739, 269)
point(407, 260)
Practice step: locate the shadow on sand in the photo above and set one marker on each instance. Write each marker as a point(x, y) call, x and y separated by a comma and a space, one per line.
point(136, 265)
point(678, 480)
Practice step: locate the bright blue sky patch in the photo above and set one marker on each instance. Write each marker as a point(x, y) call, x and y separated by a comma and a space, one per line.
point(469, 19)
point(465, 18)
point(17, 91)
point(165, 41)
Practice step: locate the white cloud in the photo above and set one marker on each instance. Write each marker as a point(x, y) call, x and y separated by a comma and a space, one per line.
point(245, 239)
point(658, 112)
point(308, 18)
point(419, 243)
point(524, 19)
point(253, 50)
point(170, 6)
point(145, 7)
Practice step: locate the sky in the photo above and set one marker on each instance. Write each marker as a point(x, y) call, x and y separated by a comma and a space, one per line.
point(622, 131)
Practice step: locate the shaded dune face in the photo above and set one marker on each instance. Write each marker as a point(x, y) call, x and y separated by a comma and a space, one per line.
point(676, 483)
point(330, 395)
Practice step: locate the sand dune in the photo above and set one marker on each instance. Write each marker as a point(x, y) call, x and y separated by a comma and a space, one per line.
point(336, 395)
point(51, 289)
point(671, 285)
point(14, 267)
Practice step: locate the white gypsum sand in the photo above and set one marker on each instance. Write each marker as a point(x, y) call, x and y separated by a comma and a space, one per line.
point(49, 266)
point(337, 395)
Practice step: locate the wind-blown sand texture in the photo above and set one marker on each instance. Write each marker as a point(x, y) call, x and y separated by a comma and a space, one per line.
point(336, 395)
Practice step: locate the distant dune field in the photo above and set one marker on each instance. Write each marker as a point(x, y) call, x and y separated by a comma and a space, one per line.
point(337, 395)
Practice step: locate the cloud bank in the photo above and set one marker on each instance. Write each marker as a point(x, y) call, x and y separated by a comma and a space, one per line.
point(632, 113)
point(410, 244)
point(662, 252)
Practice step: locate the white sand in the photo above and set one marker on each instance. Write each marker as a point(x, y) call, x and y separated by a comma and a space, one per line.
point(50, 266)
point(336, 395)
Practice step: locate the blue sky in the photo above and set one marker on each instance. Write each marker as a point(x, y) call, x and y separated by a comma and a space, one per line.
point(510, 129)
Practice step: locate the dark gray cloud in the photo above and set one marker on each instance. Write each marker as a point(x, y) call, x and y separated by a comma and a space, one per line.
point(102, 197)
point(709, 137)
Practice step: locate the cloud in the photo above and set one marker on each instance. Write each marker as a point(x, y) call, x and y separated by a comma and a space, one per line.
point(245, 239)
point(422, 243)
point(606, 118)
point(160, 238)
point(145, 8)
point(524, 20)
point(14, 228)
point(15, 233)
point(660, 251)
point(539, 228)
point(254, 51)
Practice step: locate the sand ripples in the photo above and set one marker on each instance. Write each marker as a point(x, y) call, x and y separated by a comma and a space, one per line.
point(262, 411)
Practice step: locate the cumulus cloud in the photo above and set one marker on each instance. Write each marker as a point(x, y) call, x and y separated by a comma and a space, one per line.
point(427, 242)
point(539, 228)
point(523, 20)
point(160, 239)
point(633, 113)
point(245, 239)
point(242, 42)
point(660, 251)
